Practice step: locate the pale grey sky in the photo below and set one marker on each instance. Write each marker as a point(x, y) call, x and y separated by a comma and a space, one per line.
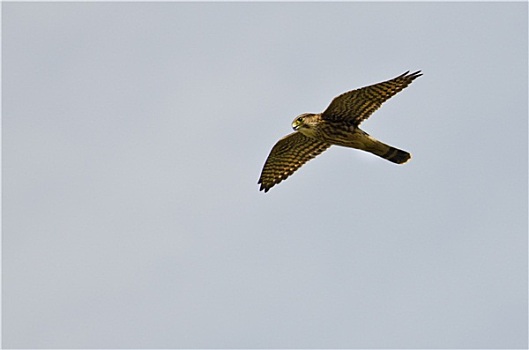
point(134, 135)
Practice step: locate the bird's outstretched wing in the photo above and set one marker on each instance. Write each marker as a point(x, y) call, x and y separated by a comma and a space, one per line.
point(357, 105)
point(287, 156)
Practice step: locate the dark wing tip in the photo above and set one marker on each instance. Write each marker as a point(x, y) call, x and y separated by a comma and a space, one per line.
point(412, 75)
point(263, 186)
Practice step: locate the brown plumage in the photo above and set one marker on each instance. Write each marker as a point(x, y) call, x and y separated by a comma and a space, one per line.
point(337, 125)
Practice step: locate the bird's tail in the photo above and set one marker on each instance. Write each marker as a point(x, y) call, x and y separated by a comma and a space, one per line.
point(390, 153)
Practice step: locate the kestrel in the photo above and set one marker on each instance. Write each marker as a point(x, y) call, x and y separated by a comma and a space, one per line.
point(337, 125)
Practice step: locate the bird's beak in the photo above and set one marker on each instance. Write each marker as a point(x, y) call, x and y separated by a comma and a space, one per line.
point(295, 125)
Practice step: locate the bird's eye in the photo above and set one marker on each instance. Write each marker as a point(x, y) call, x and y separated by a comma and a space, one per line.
point(300, 119)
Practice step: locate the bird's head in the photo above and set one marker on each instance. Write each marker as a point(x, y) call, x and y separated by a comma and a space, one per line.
point(302, 121)
point(306, 124)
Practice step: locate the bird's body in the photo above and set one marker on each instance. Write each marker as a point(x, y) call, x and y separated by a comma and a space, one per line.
point(337, 125)
point(341, 133)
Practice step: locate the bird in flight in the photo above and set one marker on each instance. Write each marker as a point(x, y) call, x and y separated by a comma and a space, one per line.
point(337, 125)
